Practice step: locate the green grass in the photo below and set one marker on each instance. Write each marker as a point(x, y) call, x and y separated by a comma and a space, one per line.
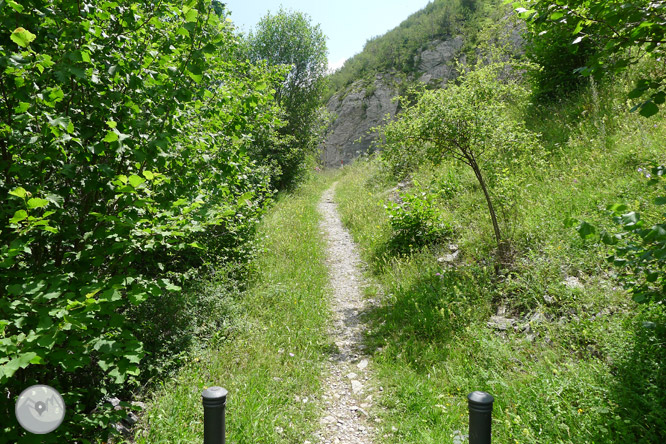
point(272, 355)
point(584, 365)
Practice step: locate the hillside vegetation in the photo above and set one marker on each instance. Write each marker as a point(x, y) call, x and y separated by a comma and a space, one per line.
point(513, 225)
point(396, 50)
point(140, 146)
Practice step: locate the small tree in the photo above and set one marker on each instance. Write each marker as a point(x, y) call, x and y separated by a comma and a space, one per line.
point(289, 38)
point(470, 123)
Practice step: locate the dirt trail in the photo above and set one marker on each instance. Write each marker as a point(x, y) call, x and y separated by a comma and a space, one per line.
point(350, 391)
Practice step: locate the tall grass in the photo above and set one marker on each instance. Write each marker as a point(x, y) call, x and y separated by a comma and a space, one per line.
point(271, 354)
point(576, 360)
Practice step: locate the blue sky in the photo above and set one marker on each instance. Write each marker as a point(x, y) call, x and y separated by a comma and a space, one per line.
point(348, 24)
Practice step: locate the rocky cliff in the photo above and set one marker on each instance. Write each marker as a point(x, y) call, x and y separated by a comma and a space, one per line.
point(365, 104)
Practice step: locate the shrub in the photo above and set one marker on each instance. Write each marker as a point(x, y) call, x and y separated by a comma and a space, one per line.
point(417, 221)
point(123, 128)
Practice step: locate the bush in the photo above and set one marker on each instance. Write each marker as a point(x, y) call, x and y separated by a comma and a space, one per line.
point(640, 251)
point(417, 221)
point(123, 131)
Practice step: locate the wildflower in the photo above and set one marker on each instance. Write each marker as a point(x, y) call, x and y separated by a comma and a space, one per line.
point(437, 274)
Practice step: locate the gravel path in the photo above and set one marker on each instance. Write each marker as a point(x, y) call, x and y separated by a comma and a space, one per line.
point(350, 391)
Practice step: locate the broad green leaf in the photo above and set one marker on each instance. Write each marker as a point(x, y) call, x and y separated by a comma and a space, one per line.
point(36, 202)
point(245, 197)
point(636, 93)
point(16, 6)
point(19, 192)
point(22, 37)
point(21, 362)
point(111, 124)
point(630, 218)
point(190, 14)
point(195, 77)
point(648, 109)
point(661, 200)
point(21, 107)
point(111, 136)
point(585, 230)
point(135, 180)
point(148, 175)
point(19, 216)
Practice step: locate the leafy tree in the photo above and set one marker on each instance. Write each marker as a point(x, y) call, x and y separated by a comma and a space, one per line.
point(289, 38)
point(123, 132)
point(470, 123)
point(624, 31)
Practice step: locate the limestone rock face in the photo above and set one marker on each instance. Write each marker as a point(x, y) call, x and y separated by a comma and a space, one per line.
point(364, 105)
point(358, 109)
point(438, 62)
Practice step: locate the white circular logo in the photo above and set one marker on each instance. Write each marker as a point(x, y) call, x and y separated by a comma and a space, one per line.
point(40, 409)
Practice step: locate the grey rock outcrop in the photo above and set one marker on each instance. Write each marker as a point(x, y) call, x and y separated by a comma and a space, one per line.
point(365, 105)
point(358, 109)
point(438, 62)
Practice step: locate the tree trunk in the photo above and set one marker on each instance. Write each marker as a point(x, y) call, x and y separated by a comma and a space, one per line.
point(491, 209)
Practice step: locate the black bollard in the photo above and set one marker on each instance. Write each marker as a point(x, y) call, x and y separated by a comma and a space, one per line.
point(214, 401)
point(480, 417)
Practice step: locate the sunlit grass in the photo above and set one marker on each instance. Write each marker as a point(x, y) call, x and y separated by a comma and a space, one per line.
point(568, 369)
point(273, 360)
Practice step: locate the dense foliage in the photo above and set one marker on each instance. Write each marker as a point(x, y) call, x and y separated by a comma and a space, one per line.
point(415, 220)
point(472, 123)
point(602, 37)
point(290, 39)
point(124, 130)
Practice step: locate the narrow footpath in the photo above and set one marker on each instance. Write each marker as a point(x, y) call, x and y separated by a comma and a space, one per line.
point(350, 391)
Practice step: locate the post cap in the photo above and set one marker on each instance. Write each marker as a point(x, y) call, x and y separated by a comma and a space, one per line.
point(480, 401)
point(214, 396)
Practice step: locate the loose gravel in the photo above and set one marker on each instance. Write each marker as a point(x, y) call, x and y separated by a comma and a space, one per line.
point(350, 388)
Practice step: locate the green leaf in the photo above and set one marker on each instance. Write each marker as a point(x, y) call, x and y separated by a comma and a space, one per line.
point(21, 362)
point(135, 180)
point(245, 197)
point(148, 175)
point(22, 37)
point(617, 208)
point(661, 200)
point(36, 202)
point(195, 77)
point(586, 230)
point(111, 124)
point(16, 6)
point(648, 109)
point(630, 218)
point(190, 14)
point(111, 136)
point(636, 93)
point(19, 192)
point(19, 216)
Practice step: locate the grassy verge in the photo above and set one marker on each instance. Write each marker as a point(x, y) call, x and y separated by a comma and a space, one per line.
point(567, 355)
point(271, 354)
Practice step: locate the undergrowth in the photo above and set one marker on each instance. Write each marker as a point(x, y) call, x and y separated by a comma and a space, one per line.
point(270, 346)
point(568, 356)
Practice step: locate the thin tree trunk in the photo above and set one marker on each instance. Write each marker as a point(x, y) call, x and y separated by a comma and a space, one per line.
point(491, 209)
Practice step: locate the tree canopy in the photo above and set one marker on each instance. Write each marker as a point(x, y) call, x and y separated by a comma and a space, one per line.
point(289, 38)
